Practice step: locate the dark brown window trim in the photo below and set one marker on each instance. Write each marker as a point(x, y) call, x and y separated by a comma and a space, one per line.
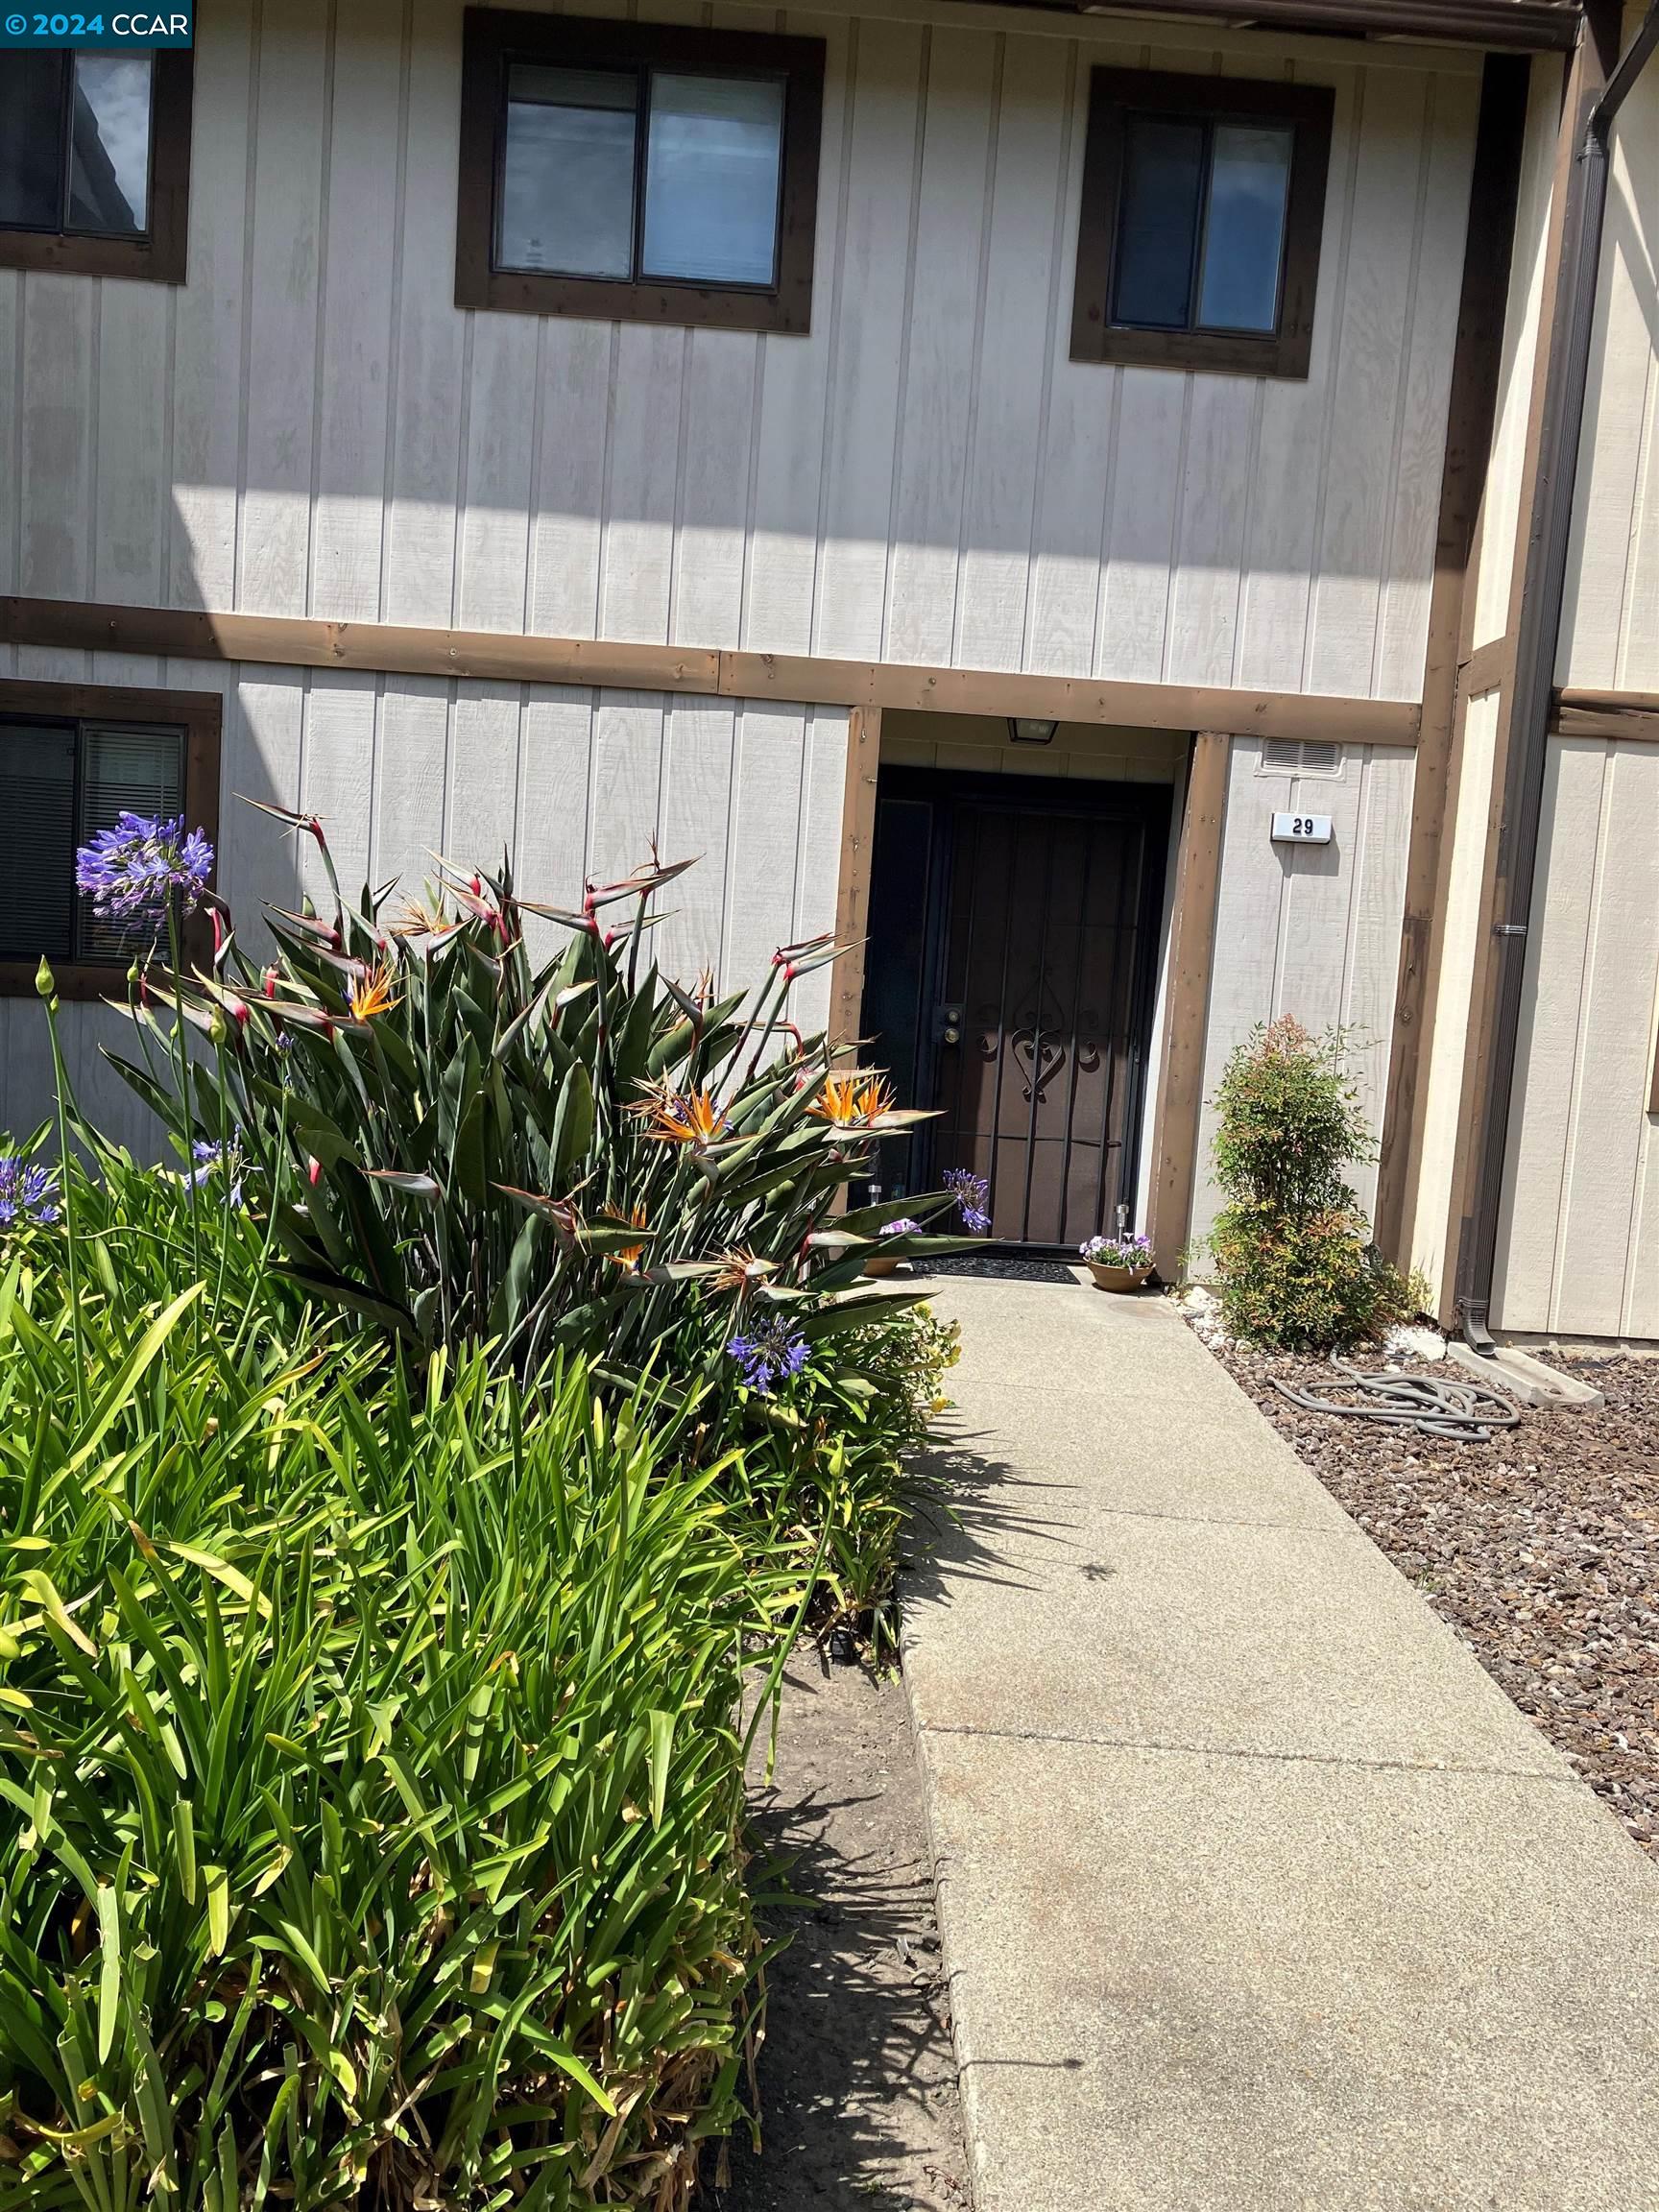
point(160, 254)
point(200, 714)
point(1116, 94)
point(493, 35)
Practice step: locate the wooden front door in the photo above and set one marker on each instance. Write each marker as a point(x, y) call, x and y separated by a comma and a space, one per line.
point(1012, 928)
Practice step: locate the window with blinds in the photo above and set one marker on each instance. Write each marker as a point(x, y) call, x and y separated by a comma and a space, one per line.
point(60, 782)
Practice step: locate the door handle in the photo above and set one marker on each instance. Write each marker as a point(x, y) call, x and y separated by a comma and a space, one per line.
point(947, 1024)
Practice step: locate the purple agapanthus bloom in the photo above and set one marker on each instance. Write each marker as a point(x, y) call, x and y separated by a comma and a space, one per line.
point(772, 1351)
point(208, 1159)
point(904, 1227)
point(130, 872)
point(27, 1196)
point(972, 1198)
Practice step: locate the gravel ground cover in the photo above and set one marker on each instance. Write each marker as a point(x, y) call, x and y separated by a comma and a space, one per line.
point(1541, 1548)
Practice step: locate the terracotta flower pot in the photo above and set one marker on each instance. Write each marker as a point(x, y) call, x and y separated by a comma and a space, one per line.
point(1118, 1278)
point(882, 1264)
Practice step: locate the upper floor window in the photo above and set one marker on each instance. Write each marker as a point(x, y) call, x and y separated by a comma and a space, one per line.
point(638, 172)
point(73, 759)
point(1198, 243)
point(95, 162)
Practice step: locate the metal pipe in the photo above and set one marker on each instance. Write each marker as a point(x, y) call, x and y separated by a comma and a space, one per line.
point(1537, 644)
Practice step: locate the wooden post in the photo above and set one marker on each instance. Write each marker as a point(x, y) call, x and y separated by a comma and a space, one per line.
point(1186, 1018)
point(852, 896)
point(1475, 374)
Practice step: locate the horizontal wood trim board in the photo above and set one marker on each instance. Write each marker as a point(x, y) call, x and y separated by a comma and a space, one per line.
point(503, 657)
point(1633, 724)
point(1540, 26)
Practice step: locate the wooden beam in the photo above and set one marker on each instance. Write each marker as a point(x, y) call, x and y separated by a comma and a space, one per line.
point(1186, 1018)
point(502, 657)
point(1529, 25)
point(1471, 409)
point(1483, 668)
point(853, 893)
point(1632, 717)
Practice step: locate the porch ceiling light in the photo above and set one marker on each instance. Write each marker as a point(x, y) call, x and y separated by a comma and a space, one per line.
point(1027, 730)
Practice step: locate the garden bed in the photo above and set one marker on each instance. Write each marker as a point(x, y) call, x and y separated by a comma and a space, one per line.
point(857, 2080)
point(1541, 1548)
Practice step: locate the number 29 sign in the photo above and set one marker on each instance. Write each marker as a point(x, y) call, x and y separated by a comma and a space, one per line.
point(1301, 828)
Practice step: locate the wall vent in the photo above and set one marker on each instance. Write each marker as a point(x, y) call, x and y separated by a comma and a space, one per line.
point(1302, 757)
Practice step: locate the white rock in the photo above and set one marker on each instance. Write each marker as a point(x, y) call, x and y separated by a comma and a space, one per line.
point(1415, 1343)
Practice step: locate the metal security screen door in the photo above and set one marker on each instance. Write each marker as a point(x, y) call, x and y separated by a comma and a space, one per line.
point(1013, 934)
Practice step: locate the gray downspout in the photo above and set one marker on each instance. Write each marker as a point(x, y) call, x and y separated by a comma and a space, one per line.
point(1537, 644)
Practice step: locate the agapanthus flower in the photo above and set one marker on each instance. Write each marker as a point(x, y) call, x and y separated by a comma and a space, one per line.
point(28, 1194)
point(133, 870)
point(973, 1194)
point(904, 1227)
point(209, 1160)
point(772, 1351)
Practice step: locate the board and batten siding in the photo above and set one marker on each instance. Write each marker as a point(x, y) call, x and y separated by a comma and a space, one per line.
point(1579, 1233)
point(575, 782)
point(1578, 1236)
point(1610, 623)
point(310, 427)
point(1308, 930)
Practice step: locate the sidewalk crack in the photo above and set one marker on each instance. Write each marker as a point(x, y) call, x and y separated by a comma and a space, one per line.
point(1246, 1751)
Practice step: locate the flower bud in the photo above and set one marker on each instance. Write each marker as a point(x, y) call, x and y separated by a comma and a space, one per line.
point(44, 981)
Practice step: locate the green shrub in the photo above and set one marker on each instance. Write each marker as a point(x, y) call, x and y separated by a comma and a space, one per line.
point(1293, 1264)
point(369, 1788)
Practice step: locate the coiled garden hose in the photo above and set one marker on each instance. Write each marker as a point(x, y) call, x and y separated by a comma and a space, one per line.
point(1426, 1403)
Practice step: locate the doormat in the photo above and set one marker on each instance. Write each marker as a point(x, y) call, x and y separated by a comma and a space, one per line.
point(1010, 1266)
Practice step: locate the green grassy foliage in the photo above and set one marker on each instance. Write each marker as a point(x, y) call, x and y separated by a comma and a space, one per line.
point(379, 1567)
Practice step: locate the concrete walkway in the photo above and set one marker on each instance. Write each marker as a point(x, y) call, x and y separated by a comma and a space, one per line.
point(1257, 1893)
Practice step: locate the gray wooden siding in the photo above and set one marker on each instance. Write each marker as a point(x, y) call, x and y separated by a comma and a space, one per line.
point(310, 427)
point(1610, 630)
point(1312, 931)
point(575, 782)
point(1578, 1241)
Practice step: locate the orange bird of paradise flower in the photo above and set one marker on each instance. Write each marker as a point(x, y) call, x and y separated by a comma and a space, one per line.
point(372, 991)
point(629, 1256)
point(851, 1101)
point(684, 1116)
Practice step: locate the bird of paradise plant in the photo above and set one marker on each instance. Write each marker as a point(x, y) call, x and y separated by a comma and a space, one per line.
point(458, 1143)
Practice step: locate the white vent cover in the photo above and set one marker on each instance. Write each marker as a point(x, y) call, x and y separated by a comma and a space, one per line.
point(1302, 757)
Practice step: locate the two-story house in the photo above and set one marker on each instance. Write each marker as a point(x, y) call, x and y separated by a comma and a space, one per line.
point(1089, 502)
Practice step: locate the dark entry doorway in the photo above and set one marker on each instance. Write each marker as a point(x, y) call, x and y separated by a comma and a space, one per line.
point(1010, 975)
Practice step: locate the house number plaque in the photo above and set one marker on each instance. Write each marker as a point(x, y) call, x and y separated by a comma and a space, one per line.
point(1301, 828)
